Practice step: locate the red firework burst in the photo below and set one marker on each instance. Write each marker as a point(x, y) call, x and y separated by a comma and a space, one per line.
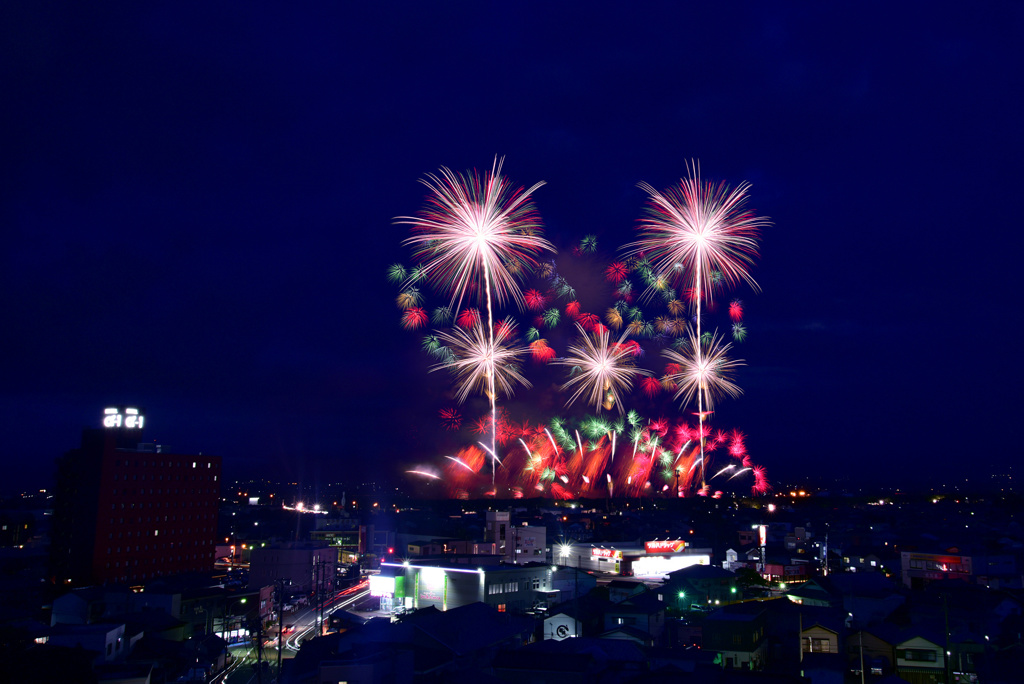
point(468, 318)
point(535, 301)
point(737, 446)
point(414, 317)
point(451, 419)
point(616, 272)
point(541, 352)
point(761, 484)
point(659, 426)
point(572, 309)
point(650, 386)
point(482, 425)
point(505, 328)
point(589, 321)
point(736, 310)
point(633, 348)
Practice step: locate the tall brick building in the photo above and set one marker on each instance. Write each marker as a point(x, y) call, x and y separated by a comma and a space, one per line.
point(126, 512)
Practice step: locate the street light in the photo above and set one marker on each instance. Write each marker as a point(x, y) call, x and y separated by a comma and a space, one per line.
point(229, 613)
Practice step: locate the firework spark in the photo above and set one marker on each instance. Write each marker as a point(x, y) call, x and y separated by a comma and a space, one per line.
point(605, 370)
point(698, 230)
point(481, 365)
point(451, 419)
point(704, 373)
point(477, 232)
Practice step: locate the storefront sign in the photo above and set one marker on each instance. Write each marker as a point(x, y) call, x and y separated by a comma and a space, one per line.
point(665, 546)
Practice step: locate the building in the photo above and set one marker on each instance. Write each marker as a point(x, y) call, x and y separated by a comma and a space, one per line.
point(308, 567)
point(527, 544)
point(496, 530)
point(127, 511)
point(512, 589)
point(654, 559)
point(737, 633)
point(919, 568)
point(348, 535)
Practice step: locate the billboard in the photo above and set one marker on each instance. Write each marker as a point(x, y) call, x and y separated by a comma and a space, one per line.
point(381, 585)
point(665, 546)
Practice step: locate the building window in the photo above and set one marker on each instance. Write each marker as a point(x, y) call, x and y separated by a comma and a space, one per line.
point(917, 654)
point(501, 607)
point(816, 645)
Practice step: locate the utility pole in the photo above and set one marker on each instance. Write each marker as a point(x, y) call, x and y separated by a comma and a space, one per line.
point(280, 624)
point(257, 622)
point(323, 572)
point(948, 651)
point(861, 639)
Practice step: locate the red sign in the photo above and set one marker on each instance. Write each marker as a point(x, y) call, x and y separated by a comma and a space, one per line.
point(603, 553)
point(666, 546)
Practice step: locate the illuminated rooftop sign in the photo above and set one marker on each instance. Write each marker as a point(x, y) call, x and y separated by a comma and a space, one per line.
point(665, 546)
point(381, 585)
point(131, 418)
point(605, 553)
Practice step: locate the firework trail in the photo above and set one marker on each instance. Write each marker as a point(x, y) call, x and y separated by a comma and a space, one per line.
point(476, 230)
point(698, 236)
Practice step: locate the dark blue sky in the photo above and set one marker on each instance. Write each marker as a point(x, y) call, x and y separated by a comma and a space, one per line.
point(197, 205)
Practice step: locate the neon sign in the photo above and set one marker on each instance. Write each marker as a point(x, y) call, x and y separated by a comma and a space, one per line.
point(665, 546)
point(131, 418)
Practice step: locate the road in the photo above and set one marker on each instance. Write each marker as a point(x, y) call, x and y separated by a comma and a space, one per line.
point(305, 621)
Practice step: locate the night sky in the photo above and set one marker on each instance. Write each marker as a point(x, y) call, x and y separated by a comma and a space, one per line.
point(197, 204)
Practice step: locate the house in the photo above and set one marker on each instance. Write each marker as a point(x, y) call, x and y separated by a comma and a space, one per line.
point(875, 648)
point(737, 633)
point(819, 636)
point(577, 618)
point(645, 612)
point(105, 640)
point(620, 590)
point(921, 659)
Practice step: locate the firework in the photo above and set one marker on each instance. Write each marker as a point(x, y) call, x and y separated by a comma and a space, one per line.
point(704, 373)
point(535, 301)
point(602, 369)
point(700, 237)
point(592, 456)
point(482, 365)
point(413, 318)
point(477, 231)
point(451, 419)
point(736, 310)
point(616, 272)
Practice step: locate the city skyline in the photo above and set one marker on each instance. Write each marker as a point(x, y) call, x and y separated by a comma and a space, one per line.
point(200, 207)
